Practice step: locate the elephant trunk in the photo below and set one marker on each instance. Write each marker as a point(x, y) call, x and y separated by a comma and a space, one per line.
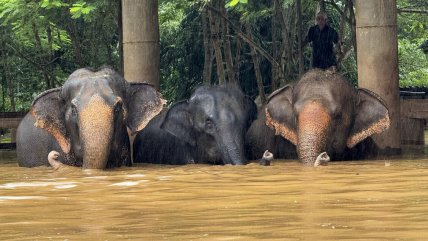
point(313, 125)
point(232, 149)
point(96, 129)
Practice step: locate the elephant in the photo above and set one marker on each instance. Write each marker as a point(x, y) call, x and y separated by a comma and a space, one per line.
point(322, 112)
point(86, 121)
point(207, 128)
point(260, 138)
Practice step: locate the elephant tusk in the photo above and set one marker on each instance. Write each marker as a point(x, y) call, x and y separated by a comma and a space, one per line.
point(322, 159)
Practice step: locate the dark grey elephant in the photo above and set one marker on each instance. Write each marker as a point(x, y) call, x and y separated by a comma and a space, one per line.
point(321, 112)
point(86, 121)
point(207, 128)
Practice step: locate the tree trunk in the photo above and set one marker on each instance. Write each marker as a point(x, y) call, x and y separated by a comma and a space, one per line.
point(321, 6)
point(286, 46)
point(256, 67)
point(244, 37)
point(40, 57)
point(10, 90)
point(73, 33)
point(275, 68)
point(51, 58)
point(3, 82)
point(120, 31)
point(353, 27)
point(215, 35)
point(207, 49)
point(299, 36)
point(227, 49)
point(237, 59)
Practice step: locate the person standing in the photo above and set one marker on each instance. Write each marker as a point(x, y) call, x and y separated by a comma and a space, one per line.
point(322, 37)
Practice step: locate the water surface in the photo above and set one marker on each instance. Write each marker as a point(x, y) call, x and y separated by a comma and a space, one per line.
point(366, 200)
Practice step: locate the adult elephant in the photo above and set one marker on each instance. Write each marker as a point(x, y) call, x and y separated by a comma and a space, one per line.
point(207, 128)
point(86, 121)
point(322, 112)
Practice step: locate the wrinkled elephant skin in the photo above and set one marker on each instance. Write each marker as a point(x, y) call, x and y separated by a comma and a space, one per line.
point(207, 128)
point(86, 121)
point(323, 112)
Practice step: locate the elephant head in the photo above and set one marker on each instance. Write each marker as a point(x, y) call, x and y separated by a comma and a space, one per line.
point(323, 112)
point(88, 116)
point(213, 121)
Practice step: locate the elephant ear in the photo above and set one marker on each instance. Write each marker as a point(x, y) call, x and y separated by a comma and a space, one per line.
point(48, 110)
point(280, 114)
point(372, 116)
point(251, 109)
point(143, 103)
point(178, 122)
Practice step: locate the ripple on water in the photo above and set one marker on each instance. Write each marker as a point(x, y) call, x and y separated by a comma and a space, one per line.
point(164, 178)
point(286, 201)
point(128, 183)
point(14, 185)
point(13, 198)
point(137, 175)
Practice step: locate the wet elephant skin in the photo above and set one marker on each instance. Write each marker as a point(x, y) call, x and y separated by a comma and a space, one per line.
point(86, 120)
point(209, 127)
point(321, 112)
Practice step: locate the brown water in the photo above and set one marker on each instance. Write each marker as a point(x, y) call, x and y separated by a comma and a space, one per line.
point(370, 200)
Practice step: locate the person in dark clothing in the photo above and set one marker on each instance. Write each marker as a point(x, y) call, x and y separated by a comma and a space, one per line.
point(322, 38)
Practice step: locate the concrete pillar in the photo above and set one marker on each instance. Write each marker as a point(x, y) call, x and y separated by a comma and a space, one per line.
point(377, 51)
point(141, 42)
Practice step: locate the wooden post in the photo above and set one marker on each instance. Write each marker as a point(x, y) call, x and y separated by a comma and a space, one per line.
point(300, 37)
point(376, 29)
point(141, 42)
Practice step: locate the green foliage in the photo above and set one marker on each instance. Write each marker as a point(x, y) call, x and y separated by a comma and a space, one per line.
point(412, 32)
point(233, 3)
point(80, 9)
point(43, 41)
point(413, 64)
point(181, 48)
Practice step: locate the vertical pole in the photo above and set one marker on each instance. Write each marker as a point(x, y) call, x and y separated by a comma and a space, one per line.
point(141, 47)
point(376, 29)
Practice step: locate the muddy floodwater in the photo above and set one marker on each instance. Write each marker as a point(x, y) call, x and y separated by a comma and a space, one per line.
point(365, 200)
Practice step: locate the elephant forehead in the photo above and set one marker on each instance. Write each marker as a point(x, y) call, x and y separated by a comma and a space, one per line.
point(96, 106)
point(86, 88)
point(314, 114)
point(203, 105)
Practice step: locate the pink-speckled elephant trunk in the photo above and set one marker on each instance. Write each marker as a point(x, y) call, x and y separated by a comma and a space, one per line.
point(322, 112)
point(313, 126)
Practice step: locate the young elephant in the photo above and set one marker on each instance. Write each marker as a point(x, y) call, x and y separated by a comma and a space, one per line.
point(322, 112)
point(86, 121)
point(207, 128)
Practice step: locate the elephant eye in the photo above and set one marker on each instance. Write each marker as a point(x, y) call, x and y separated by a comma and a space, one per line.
point(73, 110)
point(209, 124)
point(118, 108)
point(338, 115)
point(118, 105)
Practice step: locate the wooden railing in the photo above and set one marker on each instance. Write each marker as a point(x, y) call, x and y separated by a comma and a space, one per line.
point(10, 120)
point(414, 108)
